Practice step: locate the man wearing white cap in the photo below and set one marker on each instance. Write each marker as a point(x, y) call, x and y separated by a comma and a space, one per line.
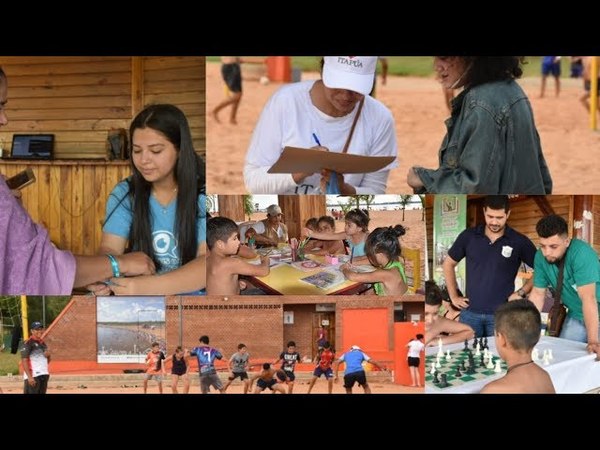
point(321, 115)
point(355, 373)
point(269, 231)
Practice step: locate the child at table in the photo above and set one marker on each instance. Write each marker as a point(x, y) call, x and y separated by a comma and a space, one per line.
point(383, 252)
point(438, 327)
point(222, 270)
point(517, 329)
point(356, 230)
point(325, 224)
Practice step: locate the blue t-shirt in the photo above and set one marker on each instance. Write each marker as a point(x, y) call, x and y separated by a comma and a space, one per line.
point(357, 250)
point(206, 359)
point(353, 360)
point(491, 269)
point(119, 212)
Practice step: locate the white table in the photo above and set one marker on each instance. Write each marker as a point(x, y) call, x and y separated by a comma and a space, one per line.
point(573, 370)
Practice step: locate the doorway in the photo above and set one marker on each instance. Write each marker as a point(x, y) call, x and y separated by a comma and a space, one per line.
point(323, 329)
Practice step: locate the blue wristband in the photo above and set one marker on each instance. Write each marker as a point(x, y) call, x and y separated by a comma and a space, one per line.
point(115, 266)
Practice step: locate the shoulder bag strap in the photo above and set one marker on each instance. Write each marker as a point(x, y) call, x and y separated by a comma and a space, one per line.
point(360, 106)
point(561, 276)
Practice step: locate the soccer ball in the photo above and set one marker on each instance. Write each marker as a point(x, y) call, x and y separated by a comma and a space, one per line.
point(264, 80)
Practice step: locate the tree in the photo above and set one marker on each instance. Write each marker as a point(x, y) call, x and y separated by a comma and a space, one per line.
point(404, 200)
point(422, 198)
point(248, 206)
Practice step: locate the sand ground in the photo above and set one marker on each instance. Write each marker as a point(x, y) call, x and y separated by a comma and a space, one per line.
point(570, 147)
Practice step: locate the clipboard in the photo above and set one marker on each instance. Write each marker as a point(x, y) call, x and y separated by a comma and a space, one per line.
point(295, 159)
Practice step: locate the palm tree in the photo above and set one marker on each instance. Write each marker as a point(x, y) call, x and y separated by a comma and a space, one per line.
point(422, 198)
point(404, 200)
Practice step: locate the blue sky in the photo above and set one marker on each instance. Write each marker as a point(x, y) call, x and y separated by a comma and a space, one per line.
point(130, 309)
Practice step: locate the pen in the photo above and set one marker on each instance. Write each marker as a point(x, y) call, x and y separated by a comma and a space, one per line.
point(351, 255)
point(316, 140)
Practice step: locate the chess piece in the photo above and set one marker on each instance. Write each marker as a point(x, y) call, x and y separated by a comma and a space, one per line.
point(474, 342)
point(471, 369)
point(485, 343)
point(432, 371)
point(435, 380)
point(437, 363)
point(535, 354)
point(457, 373)
point(462, 365)
point(477, 350)
point(466, 349)
point(481, 362)
point(490, 364)
point(545, 358)
point(448, 357)
point(443, 381)
point(550, 355)
point(498, 369)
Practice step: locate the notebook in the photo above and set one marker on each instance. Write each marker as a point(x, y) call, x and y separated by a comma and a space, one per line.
point(32, 146)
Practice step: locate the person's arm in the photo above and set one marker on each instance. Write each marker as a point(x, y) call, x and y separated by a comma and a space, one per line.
point(90, 269)
point(266, 147)
point(527, 254)
point(458, 332)
point(450, 277)
point(25, 353)
point(241, 267)
point(476, 160)
point(379, 275)
point(187, 278)
point(324, 236)
point(589, 305)
point(377, 364)
point(246, 252)
point(540, 281)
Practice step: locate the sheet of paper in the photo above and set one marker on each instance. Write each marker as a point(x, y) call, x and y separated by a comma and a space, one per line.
point(294, 159)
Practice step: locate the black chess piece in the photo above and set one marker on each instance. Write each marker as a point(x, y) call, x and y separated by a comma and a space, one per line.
point(462, 365)
point(466, 349)
point(475, 343)
point(436, 380)
point(457, 373)
point(481, 363)
point(471, 369)
point(443, 381)
point(485, 343)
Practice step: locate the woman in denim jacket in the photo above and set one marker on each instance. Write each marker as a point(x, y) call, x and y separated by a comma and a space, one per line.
point(492, 145)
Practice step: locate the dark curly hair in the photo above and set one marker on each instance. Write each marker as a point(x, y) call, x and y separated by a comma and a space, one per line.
point(485, 69)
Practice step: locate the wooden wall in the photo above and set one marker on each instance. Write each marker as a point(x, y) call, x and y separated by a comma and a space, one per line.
point(79, 99)
point(525, 212)
point(69, 199)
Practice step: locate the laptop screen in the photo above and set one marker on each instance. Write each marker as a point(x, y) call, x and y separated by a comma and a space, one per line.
point(32, 146)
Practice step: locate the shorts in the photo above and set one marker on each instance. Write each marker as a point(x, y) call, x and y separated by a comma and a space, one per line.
point(266, 384)
point(551, 68)
point(327, 372)
point(157, 376)
point(208, 380)
point(232, 75)
point(413, 362)
point(243, 376)
point(355, 377)
point(41, 385)
point(290, 375)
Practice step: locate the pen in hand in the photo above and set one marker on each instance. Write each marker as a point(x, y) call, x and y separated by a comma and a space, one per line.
point(316, 140)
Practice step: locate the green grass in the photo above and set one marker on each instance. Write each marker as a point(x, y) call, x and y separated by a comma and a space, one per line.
point(9, 363)
point(417, 66)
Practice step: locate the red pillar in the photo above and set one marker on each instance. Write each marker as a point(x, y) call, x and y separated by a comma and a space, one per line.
point(279, 68)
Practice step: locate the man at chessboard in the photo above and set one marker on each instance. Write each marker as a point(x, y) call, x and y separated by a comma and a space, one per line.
point(580, 291)
point(494, 252)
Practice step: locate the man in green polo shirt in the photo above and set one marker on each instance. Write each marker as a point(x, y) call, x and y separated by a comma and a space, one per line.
point(581, 285)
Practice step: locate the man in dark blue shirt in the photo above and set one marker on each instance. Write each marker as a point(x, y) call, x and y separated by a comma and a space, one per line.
point(494, 253)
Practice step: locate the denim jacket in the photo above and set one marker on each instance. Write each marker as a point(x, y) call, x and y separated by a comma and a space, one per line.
point(492, 146)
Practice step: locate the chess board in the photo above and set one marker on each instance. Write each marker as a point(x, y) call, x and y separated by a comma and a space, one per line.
point(449, 368)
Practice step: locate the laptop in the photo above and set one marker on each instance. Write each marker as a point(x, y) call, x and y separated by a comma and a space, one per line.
point(32, 146)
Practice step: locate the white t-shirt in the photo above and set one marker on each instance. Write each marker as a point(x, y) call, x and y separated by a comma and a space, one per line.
point(415, 348)
point(289, 119)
